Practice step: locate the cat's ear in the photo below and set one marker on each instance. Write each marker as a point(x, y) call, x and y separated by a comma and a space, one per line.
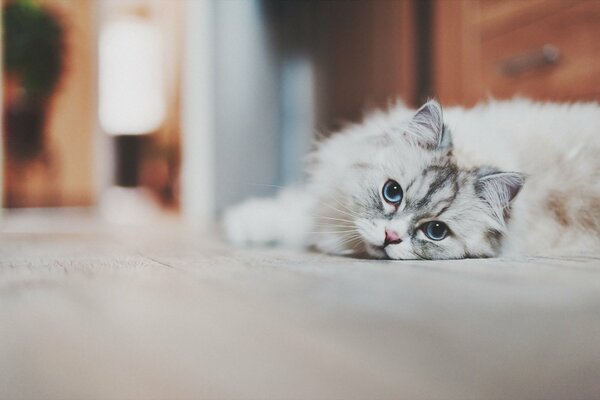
point(427, 127)
point(498, 188)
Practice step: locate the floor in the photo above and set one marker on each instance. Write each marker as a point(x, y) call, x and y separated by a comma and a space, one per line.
point(91, 311)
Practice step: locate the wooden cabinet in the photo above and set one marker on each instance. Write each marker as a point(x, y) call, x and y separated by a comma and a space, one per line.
point(543, 49)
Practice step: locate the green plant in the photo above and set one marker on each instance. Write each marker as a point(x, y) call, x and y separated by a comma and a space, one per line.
point(33, 47)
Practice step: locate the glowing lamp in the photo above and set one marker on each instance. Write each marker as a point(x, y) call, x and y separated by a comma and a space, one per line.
point(131, 91)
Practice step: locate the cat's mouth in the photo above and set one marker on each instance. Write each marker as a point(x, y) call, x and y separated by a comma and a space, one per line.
point(382, 252)
point(377, 251)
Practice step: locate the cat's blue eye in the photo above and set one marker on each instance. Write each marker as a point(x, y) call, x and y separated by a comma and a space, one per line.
point(435, 230)
point(392, 192)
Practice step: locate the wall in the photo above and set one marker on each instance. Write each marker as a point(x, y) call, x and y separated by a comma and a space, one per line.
point(246, 104)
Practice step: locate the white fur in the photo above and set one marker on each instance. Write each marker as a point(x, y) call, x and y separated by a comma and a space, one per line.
point(557, 146)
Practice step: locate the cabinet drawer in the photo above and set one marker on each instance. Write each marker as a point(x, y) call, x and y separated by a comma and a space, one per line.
point(513, 61)
point(499, 16)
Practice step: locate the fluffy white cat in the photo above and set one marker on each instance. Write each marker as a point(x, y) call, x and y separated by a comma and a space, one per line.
point(504, 177)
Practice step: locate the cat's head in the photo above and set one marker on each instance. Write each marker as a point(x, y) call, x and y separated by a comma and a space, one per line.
point(408, 199)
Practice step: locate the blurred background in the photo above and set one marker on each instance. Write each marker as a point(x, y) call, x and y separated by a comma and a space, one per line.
point(184, 107)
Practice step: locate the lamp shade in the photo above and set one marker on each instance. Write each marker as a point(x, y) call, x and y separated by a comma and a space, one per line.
point(131, 80)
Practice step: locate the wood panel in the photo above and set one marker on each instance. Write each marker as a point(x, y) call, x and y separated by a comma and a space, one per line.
point(500, 16)
point(475, 39)
point(364, 52)
point(63, 176)
point(72, 120)
point(456, 51)
point(574, 31)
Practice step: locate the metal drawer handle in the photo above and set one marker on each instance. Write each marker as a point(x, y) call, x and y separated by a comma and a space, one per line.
point(547, 55)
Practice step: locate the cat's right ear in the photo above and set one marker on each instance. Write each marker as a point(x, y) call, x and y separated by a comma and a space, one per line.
point(427, 127)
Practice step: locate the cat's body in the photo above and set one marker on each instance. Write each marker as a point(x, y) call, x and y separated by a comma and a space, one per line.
point(403, 185)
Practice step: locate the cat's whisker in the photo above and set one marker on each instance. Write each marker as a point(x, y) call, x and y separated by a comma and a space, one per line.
point(353, 215)
point(330, 232)
point(351, 240)
point(340, 229)
point(340, 211)
point(265, 185)
point(348, 244)
point(334, 219)
point(359, 241)
point(344, 206)
point(334, 224)
point(351, 235)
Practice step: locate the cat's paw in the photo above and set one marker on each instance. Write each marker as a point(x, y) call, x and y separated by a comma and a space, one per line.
point(249, 223)
point(283, 220)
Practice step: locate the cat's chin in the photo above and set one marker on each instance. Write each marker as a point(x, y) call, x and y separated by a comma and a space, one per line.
point(391, 254)
point(376, 252)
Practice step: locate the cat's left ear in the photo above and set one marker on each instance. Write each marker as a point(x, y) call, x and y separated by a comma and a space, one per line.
point(498, 188)
point(427, 127)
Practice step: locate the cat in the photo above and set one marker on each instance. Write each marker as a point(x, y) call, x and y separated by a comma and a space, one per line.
point(502, 178)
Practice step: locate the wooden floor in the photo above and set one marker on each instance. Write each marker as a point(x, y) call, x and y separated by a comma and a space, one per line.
point(90, 311)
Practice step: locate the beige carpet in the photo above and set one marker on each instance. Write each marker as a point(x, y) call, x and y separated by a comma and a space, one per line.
point(88, 311)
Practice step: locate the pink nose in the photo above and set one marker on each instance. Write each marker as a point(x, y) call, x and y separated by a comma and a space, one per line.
point(391, 237)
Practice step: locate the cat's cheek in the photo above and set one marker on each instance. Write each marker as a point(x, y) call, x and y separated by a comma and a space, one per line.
point(372, 232)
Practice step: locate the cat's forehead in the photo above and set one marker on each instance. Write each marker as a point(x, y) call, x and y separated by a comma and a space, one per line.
point(412, 163)
point(435, 189)
point(416, 168)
